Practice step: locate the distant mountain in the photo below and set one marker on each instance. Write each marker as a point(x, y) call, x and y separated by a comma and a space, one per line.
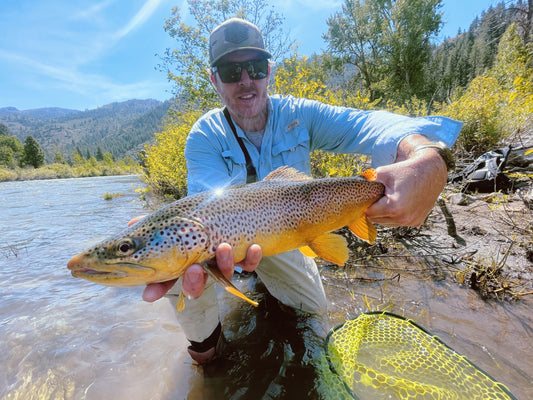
point(119, 128)
point(8, 110)
point(38, 113)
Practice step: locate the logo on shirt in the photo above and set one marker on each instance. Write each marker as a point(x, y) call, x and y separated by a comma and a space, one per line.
point(293, 124)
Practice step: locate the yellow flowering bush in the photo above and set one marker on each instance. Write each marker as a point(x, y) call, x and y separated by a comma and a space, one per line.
point(165, 166)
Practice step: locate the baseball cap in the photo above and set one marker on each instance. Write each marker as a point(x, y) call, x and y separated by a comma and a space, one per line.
point(233, 35)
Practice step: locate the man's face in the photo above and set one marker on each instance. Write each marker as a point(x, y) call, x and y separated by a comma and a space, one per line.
point(246, 99)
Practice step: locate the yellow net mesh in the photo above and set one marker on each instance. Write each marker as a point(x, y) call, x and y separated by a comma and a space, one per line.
point(382, 355)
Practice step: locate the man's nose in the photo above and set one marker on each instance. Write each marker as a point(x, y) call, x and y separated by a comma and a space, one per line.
point(245, 78)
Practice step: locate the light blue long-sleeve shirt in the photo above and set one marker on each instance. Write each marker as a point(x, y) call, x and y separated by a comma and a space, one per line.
point(295, 128)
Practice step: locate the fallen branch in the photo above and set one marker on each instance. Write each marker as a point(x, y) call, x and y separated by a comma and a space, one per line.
point(450, 223)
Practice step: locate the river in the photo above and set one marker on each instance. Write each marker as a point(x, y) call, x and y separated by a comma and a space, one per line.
point(66, 338)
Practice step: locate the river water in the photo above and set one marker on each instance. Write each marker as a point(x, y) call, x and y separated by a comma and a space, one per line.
point(66, 338)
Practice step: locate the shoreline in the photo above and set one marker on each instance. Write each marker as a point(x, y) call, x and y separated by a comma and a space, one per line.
point(62, 171)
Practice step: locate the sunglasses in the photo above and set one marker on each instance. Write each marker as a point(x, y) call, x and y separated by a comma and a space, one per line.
point(232, 72)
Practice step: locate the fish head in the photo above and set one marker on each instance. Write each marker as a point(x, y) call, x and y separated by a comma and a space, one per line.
point(154, 249)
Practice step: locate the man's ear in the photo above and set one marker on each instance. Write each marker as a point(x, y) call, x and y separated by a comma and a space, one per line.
point(212, 79)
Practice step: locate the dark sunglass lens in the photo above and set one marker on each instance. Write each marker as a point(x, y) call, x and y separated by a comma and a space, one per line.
point(230, 73)
point(257, 69)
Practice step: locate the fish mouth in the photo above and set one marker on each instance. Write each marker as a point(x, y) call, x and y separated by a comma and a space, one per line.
point(118, 274)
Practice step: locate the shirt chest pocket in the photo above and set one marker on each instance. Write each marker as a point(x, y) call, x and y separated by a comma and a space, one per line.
point(236, 165)
point(292, 151)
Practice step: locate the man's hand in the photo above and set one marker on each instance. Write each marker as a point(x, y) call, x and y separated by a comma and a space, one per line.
point(195, 277)
point(412, 185)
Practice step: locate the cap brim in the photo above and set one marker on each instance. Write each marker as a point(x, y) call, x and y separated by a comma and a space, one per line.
point(221, 56)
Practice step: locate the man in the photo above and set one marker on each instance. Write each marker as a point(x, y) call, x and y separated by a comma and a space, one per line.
point(277, 131)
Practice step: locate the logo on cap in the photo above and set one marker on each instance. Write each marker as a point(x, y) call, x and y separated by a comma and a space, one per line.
point(237, 35)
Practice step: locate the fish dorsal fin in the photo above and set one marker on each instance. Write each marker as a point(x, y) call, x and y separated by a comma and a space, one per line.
point(287, 174)
point(364, 229)
point(331, 247)
point(370, 174)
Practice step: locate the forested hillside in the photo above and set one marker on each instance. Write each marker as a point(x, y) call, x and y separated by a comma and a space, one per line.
point(457, 61)
point(404, 60)
point(118, 128)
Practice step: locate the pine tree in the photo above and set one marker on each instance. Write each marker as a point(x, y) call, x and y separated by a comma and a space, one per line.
point(33, 154)
point(99, 154)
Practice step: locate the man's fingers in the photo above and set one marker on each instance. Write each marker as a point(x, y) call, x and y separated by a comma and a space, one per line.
point(378, 210)
point(225, 261)
point(154, 291)
point(253, 257)
point(194, 280)
point(136, 219)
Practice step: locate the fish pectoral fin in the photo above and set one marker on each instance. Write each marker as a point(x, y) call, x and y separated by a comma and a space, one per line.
point(364, 229)
point(331, 247)
point(308, 251)
point(215, 273)
point(180, 306)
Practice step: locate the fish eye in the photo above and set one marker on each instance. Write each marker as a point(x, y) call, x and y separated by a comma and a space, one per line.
point(125, 247)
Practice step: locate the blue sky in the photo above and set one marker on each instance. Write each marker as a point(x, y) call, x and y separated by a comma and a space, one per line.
point(83, 54)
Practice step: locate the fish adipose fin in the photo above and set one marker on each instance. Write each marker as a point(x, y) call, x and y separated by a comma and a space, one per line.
point(331, 247)
point(370, 174)
point(364, 229)
point(214, 272)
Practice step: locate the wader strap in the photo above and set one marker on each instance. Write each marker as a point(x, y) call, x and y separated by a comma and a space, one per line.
point(251, 174)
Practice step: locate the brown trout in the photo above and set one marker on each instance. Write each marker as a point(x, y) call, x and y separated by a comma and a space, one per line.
point(287, 210)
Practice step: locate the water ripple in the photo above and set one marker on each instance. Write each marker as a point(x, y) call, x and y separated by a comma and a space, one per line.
point(64, 338)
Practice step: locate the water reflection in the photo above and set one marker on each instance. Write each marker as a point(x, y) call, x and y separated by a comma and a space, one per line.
point(271, 352)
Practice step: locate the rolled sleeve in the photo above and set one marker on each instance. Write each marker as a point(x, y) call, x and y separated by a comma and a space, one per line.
point(435, 128)
point(375, 133)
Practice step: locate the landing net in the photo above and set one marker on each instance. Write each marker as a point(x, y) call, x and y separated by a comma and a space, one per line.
point(380, 355)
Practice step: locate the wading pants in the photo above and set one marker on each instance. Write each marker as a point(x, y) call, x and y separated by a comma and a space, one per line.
point(291, 277)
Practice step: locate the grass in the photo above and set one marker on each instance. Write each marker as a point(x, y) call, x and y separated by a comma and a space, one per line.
point(61, 171)
point(111, 196)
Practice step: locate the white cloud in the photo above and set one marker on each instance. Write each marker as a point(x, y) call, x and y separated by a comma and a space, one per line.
point(61, 47)
point(138, 19)
point(93, 11)
point(83, 84)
